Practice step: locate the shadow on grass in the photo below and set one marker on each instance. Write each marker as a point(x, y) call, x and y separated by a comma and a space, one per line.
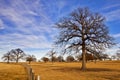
point(99, 69)
point(70, 69)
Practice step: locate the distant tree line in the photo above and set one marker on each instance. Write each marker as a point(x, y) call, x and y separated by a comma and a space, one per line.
point(116, 55)
point(94, 56)
point(15, 55)
point(77, 58)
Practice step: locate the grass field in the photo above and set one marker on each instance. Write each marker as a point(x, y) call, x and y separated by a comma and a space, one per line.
point(12, 72)
point(105, 70)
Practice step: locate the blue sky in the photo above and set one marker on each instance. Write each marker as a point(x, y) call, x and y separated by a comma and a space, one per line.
point(28, 24)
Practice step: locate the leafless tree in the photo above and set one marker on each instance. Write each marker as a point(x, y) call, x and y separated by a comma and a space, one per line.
point(17, 54)
point(60, 58)
point(7, 57)
point(104, 56)
point(45, 59)
point(30, 58)
point(118, 54)
point(113, 57)
point(51, 54)
point(82, 30)
point(54, 59)
point(70, 58)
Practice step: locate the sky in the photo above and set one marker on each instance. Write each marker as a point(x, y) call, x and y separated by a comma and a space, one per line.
point(29, 24)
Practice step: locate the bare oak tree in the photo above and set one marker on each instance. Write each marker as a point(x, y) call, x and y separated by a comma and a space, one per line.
point(7, 57)
point(51, 54)
point(17, 54)
point(30, 58)
point(70, 58)
point(83, 30)
point(45, 59)
point(60, 58)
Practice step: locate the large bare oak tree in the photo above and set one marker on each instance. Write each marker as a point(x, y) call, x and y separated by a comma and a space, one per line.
point(83, 31)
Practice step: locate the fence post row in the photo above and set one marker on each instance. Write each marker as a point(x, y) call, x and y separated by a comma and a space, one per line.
point(30, 72)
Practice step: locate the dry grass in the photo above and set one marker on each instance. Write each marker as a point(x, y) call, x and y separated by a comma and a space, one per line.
point(106, 70)
point(12, 72)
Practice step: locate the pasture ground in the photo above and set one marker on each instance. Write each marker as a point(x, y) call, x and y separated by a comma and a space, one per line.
point(103, 70)
point(12, 72)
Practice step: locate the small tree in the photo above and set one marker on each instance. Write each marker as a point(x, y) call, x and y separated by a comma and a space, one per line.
point(60, 59)
point(54, 59)
point(45, 59)
point(17, 54)
point(70, 59)
point(30, 58)
point(113, 57)
point(118, 54)
point(7, 57)
point(51, 54)
point(104, 56)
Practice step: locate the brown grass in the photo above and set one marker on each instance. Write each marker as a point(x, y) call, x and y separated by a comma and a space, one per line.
point(12, 72)
point(106, 70)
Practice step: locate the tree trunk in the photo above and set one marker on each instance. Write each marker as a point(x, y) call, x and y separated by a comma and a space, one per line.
point(83, 59)
point(83, 49)
point(8, 61)
point(16, 60)
point(29, 62)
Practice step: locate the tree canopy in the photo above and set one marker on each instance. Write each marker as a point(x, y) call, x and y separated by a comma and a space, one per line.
point(7, 57)
point(30, 58)
point(18, 54)
point(83, 30)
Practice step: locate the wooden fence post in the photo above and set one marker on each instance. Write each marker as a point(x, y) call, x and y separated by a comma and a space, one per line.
point(32, 75)
point(30, 72)
point(38, 77)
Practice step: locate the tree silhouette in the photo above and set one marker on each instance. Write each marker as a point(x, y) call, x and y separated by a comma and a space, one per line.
point(51, 54)
point(30, 58)
point(118, 54)
point(60, 59)
point(113, 57)
point(70, 59)
point(7, 57)
point(104, 56)
point(45, 59)
point(17, 54)
point(82, 30)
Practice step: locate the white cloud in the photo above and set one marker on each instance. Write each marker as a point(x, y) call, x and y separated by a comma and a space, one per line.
point(116, 35)
point(111, 11)
point(24, 41)
point(23, 15)
point(111, 6)
point(31, 25)
point(113, 15)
